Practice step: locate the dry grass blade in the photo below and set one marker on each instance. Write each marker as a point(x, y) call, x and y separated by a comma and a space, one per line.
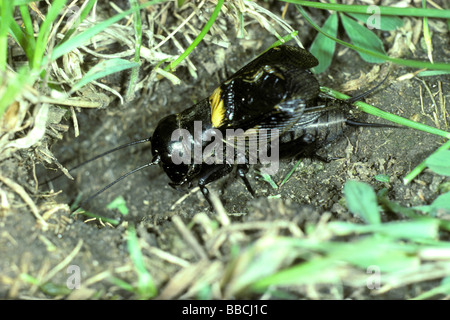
point(189, 237)
point(182, 280)
point(26, 198)
point(63, 263)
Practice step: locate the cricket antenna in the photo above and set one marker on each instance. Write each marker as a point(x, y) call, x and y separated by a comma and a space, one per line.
point(355, 123)
point(129, 144)
point(156, 160)
point(365, 94)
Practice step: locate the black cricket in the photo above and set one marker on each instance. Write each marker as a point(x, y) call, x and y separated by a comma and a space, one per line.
point(274, 91)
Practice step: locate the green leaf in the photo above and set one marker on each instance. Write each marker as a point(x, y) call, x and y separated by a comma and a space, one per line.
point(386, 23)
point(323, 47)
point(53, 289)
point(362, 201)
point(267, 178)
point(446, 146)
point(405, 62)
point(440, 204)
point(439, 162)
point(363, 37)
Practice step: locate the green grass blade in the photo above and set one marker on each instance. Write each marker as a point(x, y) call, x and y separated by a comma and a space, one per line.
point(29, 32)
point(291, 172)
point(146, 286)
point(431, 73)
point(394, 206)
point(411, 230)
point(386, 11)
point(199, 38)
point(121, 284)
point(283, 40)
point(443, 288)
point(267, 178)
point(386, 23)
point(103, 69)
point(5, 22)
point(89, 214)
point(44, 31)
point(399, 120)
point(241, 29)
point(27, 21)
point(405, 62)
point(86, 9)
point(83, 37)
point(323, 47)
point(386, 115)
point(319, 270)
point(120, 204)
point(427, 34)
point(383, 252)
point(19, 36)
point(22, 2)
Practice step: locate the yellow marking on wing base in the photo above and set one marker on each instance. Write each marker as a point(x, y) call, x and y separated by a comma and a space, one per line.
point(217, 108)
